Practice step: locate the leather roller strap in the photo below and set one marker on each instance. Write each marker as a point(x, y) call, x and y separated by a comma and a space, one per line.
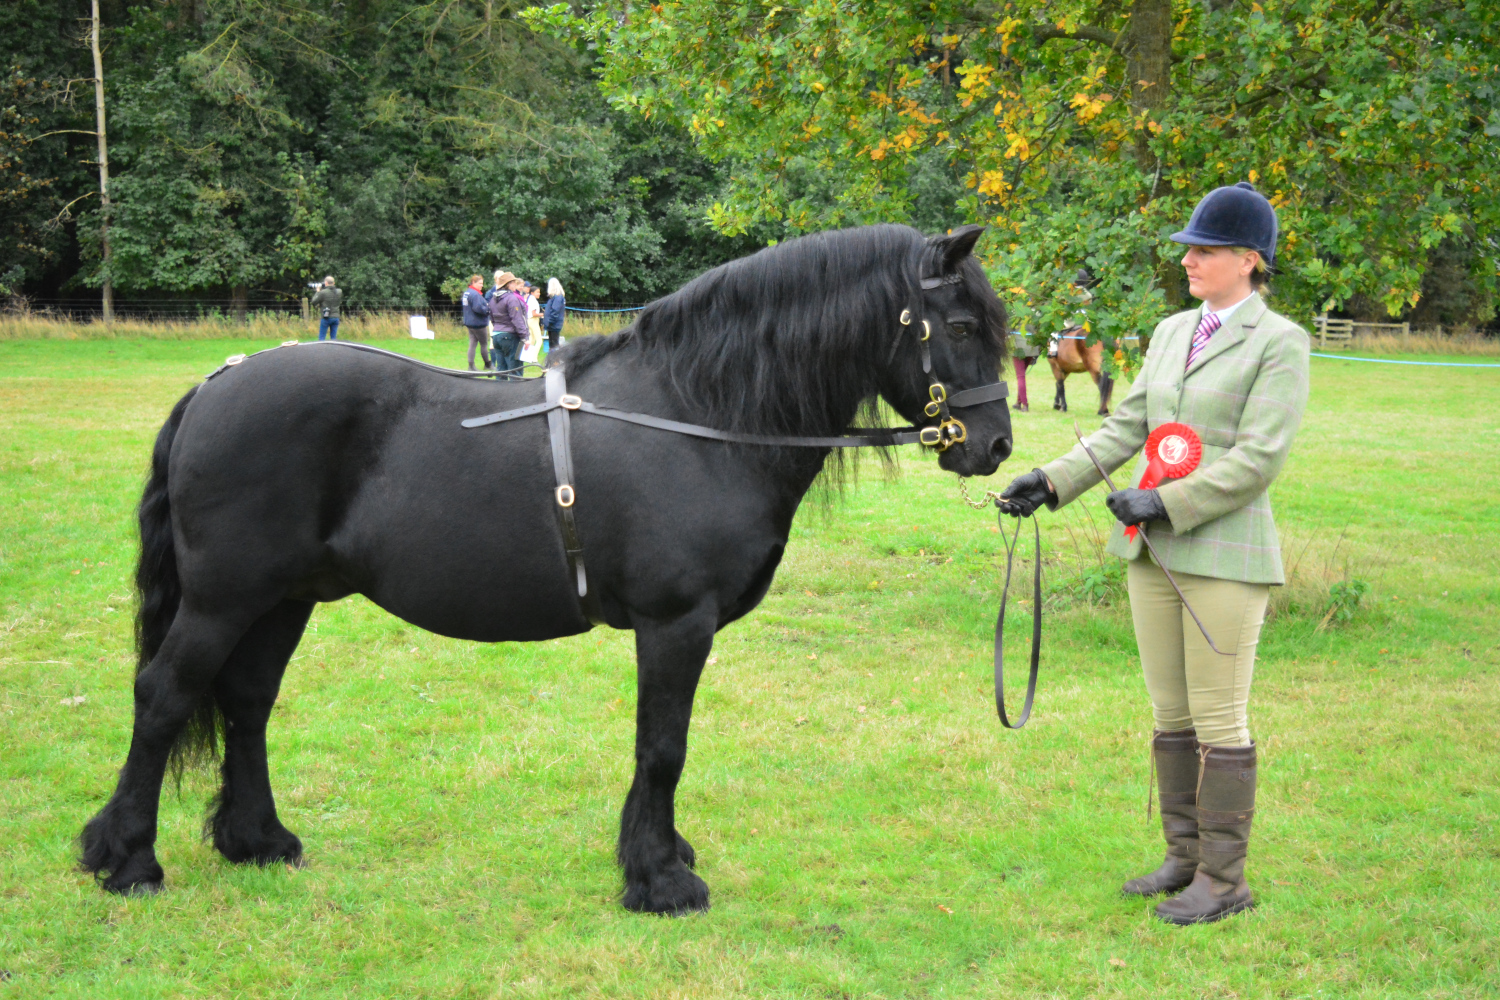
point(566, 494)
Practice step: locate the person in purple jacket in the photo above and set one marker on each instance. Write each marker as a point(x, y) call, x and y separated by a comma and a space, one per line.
point(508, 315)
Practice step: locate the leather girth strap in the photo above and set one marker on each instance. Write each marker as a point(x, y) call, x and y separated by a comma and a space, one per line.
point(1036, 626)
point(566, 495)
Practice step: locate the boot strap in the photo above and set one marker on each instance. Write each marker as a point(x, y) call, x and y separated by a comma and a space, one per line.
point(1179, 798)
point(1173, 824)
point(1224, 846)
point(1214, 817)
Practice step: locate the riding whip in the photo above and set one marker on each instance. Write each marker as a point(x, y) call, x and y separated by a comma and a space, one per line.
point(1078, 432)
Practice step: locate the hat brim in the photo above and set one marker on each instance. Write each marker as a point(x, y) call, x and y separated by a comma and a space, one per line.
point(1198, 238)
point(1195, 238)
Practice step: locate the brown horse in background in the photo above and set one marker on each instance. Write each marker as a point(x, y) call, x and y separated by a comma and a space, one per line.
point(1072, 357)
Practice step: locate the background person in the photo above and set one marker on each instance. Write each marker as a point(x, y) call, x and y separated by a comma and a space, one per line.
point(327, 299)
point(1236, 372)
point(1023, 355)
point(476, 319)
point(534, 316)
point(553, 314)
point(508, 315)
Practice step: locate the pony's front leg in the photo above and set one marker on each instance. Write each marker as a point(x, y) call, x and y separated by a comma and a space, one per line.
point(656, 859)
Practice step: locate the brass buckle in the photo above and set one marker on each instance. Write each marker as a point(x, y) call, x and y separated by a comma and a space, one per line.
point(568, 401)
point(906, 317)
point(954, 432)
point(565, 495)
point(930, 437)
point(938, 393)
point(926, 330)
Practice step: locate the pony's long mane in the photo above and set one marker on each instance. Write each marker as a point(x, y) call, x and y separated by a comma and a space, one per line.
point(785, 340)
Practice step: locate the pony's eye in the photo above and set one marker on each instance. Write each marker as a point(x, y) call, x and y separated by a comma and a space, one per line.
point(960, 328)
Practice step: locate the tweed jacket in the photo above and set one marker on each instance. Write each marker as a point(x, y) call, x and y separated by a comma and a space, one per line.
point(1244, 395)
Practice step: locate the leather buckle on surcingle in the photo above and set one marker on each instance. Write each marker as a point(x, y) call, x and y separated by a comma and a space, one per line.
point(568, 401)
point(565, 496)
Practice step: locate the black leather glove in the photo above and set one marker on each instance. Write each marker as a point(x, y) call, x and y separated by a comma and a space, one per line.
point(1136, 506)
point(1026, 493)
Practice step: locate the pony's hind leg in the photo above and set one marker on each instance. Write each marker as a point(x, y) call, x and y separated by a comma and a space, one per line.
point(243, 824)
point(121, 839)
point(656, 858)
point(1106, 387)
point(1060, 401)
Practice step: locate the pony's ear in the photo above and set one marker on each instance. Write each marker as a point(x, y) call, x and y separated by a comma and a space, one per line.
point(951, 248)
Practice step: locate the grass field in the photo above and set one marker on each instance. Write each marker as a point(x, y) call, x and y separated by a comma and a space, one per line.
point(866, 827)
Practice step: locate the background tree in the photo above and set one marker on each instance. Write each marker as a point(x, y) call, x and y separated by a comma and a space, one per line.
point(398, 145)
point(1083, 132)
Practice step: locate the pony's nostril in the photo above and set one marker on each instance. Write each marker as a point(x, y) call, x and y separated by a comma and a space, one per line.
point(1001, 448)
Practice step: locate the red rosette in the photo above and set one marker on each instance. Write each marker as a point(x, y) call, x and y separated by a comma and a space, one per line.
point(1172, 451)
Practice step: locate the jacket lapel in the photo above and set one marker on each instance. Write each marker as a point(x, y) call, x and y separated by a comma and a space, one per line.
point(1245, 317)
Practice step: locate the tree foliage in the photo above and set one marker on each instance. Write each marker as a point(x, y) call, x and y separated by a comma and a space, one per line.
point(1084, 131)
point(395, 144)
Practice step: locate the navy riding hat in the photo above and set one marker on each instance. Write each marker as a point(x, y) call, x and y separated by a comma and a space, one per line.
point(1237, 216)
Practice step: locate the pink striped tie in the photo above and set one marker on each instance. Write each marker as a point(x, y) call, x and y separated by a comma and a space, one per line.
point(1206, 328)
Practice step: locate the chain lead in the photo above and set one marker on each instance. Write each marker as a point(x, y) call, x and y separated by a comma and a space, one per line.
point(989, 496)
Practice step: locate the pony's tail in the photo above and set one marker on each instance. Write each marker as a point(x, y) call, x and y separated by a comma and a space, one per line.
point(159, 593)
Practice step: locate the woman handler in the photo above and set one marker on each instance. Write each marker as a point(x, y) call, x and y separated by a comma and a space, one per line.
point(1235, 372)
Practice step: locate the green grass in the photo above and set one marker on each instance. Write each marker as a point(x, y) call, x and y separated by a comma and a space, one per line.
point(866, 827)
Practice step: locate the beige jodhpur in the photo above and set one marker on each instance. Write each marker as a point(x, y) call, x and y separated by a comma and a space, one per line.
point(1191, 686)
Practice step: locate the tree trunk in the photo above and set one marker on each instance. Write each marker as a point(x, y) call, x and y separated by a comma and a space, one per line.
point(1148, 70)
point(108, 289)
point(238, 299)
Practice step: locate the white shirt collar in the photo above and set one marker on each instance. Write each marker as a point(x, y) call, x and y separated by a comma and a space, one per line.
point(1223, 314)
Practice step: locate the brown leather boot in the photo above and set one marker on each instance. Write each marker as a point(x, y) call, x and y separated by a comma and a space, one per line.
point(1226, 806)
point(1176, 757)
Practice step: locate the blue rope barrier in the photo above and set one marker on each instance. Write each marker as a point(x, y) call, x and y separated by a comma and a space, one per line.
point(575, 309)
point(1393, 361)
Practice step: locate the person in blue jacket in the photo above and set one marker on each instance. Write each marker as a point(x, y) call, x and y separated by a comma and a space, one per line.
point(552, 314)
point(477, 320)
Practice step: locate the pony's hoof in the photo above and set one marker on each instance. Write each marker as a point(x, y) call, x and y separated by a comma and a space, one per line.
point(140, 876)
point(685, 851)
point(671, 891)
point(280, 846)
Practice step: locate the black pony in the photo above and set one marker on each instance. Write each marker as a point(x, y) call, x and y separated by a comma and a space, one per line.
point(312, 472)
